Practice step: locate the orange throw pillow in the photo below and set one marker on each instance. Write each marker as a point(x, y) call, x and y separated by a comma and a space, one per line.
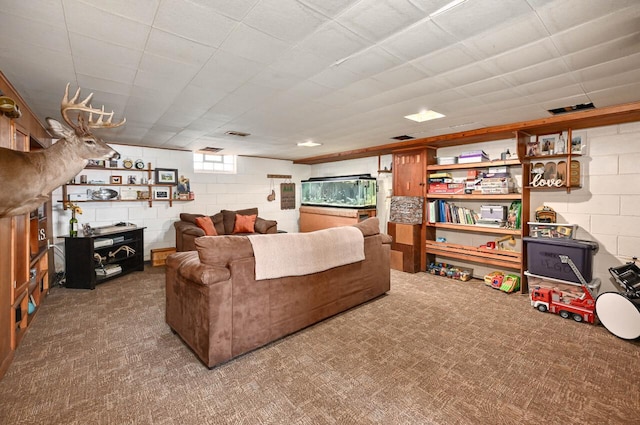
point(245, 223)
point(206, 224)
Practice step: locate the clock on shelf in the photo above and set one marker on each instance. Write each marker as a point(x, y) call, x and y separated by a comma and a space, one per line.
point(127, 163)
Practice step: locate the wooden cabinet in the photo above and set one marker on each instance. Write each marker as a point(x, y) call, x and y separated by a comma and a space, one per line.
point(409, 178)
point(316, 218)
point(24, 263)
point(95, 259)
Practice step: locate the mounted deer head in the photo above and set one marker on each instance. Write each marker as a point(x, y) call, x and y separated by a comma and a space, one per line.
point(29, 177)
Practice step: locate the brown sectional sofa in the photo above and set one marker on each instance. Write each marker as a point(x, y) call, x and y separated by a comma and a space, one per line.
point(221, 311)
point(187, 230)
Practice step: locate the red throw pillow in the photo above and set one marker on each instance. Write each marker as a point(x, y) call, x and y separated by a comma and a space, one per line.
point(206, 224)
point(245, 223)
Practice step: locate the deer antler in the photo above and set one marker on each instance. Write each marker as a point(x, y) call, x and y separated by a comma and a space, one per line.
point(84, 106)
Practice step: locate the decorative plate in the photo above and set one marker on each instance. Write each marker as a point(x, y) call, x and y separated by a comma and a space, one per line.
point(104, 194)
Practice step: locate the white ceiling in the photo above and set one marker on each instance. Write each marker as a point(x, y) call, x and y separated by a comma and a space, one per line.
point(343, 73)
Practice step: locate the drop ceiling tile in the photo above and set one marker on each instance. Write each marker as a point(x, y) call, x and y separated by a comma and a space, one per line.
point(485, 86)
point(558, 16)
point(546, 85)
point(616, 25)
point(286, 20)
point(605, 52)
point(467, 75)
point(555, 97)
point(167, 45)
point(299, 62)
point(17, 30)
point(525, 29)
point(275, 79)
point(92, 49)
point(400, 75)
point(606, 69)
point(236, 9)
point(615, 95)
point(611, 81)
point(330, 8)
point(252, 44)
point(49, 13)
point(333, 41)
point(194, 21)
point(104, 69)
point(476, 16)
point(370, 62)
point(451, 57)
point(417, 40)
point(536, 72)
point(335, 77)
point(100, 85)
point(376, 20)
point(525, 56)
point(225, 72)
point(140, 11)
point(95, 23)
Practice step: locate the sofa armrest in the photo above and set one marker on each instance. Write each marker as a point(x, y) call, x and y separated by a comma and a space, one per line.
point(203, 274)
point(266, 226)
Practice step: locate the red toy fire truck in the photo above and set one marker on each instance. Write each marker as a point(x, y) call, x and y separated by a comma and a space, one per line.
point(566, 303)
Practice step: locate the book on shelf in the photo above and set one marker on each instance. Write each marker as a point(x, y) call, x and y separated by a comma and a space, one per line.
point(108, 270)
point(440, 211)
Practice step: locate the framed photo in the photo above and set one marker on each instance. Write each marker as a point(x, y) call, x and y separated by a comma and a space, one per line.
point(96, 163)
point(115, 180)
point(577, 143)
point(160, 193)
point(183, 185)
point(548, 144)
point(166, 176)
point(533, 147)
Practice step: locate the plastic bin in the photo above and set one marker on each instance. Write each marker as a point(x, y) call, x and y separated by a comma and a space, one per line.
point(543, 257)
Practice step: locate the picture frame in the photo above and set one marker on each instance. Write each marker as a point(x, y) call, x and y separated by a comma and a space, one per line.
point(160, 193)
point(115, 180)
point(533, 147)
point(578, 142)
point(548, 144)
point(168, 176)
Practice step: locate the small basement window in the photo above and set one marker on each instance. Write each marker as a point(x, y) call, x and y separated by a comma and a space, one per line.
point(204, 162)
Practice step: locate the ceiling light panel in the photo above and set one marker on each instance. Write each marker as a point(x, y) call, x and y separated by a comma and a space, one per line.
point(424, 116)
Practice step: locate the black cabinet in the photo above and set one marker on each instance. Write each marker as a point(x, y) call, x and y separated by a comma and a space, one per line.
point(95, 259)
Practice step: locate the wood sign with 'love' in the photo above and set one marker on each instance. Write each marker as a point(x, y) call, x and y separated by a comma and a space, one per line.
point(554, 175)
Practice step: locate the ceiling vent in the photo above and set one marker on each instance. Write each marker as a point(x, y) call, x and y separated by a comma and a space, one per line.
point(209, 149)
point(574, 108)
point(237, 133)
point(403, 137)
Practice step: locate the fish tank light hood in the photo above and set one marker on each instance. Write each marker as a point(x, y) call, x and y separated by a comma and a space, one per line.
point(353, 191)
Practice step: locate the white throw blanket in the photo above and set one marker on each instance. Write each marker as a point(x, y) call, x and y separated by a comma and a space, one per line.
point(297, 254)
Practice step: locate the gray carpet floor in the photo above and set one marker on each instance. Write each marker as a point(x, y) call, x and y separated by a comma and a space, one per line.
point(431, 351)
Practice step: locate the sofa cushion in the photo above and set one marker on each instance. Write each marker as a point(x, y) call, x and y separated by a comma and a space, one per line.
point(220, 250)
point(245, 224)
point(229, 218)
point(218, 223)
point(206, 224)
point(190, 218)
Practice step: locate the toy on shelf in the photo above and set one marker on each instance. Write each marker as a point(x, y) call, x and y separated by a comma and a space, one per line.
point(450, 271)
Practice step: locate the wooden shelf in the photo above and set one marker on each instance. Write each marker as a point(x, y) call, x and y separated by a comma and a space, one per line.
point(505, 197)
point(555, 156)
point(476, 228)
point(493, 257)
point(485, 164)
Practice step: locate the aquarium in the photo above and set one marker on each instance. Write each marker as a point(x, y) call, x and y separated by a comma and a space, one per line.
point(357, 191)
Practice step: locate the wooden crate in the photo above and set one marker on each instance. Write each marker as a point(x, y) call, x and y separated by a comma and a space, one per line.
point(159, 255)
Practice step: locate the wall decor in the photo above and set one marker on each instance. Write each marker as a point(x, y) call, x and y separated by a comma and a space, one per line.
point(115, 180)
point(548, 144)
point(160, 193)
point(554, 174)
point(184, 186)
point(166, 176)
point(287, 196)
